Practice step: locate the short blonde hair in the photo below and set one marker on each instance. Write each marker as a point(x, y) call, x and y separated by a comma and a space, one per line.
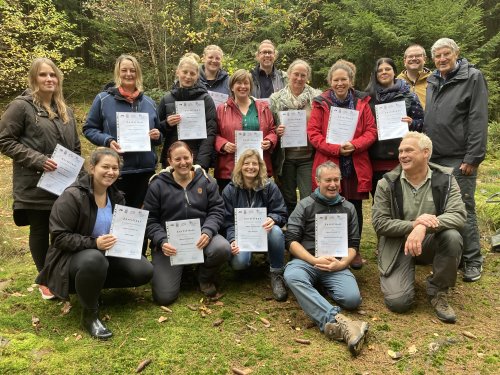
point(261, 178)
point(239, 76)
point(212, 47)
point(137, 67)
point(424, 142)
point(188, 60)
point(194, 55)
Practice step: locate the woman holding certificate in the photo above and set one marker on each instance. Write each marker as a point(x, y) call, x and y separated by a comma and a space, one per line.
point(293, 164)
point(184, 194)
point(341, 129)
point(250, 189)
point(385, 88)
point(80, 223)
point(187, 113)
point(242, 112)
point(30, 128)
point(124, 119)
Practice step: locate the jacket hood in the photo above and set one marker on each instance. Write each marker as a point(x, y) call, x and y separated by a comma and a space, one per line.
point(166, 174)
point(396, 172)
point(189, 93)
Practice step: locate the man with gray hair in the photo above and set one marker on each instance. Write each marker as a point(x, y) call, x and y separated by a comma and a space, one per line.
point(417, 213)
point(306, 271)
point(416, 73)
point(456, 120)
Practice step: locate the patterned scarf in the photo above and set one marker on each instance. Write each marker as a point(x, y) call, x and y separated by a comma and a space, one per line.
point(286, 100)
point(346, 164)
point(387, 94)
point(128, 96)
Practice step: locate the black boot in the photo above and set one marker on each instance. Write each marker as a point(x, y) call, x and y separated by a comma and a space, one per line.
point(93, 325)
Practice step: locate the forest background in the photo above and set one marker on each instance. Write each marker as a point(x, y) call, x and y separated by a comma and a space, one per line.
point(246, 329)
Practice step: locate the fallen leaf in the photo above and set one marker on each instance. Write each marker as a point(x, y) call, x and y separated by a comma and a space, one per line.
point(297, 328)
point(143, 365)
point(258, 313)
point(469, 334)
point(142, 339)
point(106, 318)
point(192, 308)
point(35, 322)
point(375, 319)
point(435, 321)
point(66, 338)
point(165, 308)
point(218, 322)
point(219, 303)
point(436, 334)
point(162, 318)
point(266, 322)
point(244, 371)
point(303, 341)
point(251, 327)
point(371, 347)
point(361, 312)
point(412, 349)
point(203, 314)
point(66, 308)
point(393, 354)
point(78, 338)
point(17, 294)
point(433, 346)
point(480, 355)
point(30, 289)
point(238, 341)
point(201, 300)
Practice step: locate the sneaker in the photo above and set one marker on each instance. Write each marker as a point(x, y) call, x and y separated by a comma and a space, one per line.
point(352, 332)
point(472, 273)
point(208, 289)
point(278, 286)
point(46, 293)
point(357, 262)
point(443, 311)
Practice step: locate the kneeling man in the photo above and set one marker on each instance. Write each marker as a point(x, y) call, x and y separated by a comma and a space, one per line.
point(305, 270)
point(417, 214)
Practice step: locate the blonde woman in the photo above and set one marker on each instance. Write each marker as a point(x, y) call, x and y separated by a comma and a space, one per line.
point(30, 128)
point(187, 88)
point(251, 188)
point(211, 73)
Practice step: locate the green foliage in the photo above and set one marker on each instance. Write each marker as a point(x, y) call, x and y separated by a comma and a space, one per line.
point(30, 29)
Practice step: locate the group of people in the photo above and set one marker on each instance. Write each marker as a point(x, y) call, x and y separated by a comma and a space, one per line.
point(423, 211)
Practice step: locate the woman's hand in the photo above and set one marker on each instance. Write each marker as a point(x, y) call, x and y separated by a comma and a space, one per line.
point(154, 134)
point(266, 144)
point(115, 146)
point(347, 149)
point(234, 248)
point(280, 130)
point(229, 147)
point(407, 119)
point(203, 241)
point(168, 249)
point(49, 165)
point(174, 120)
point(268, 224)
point(105, 242)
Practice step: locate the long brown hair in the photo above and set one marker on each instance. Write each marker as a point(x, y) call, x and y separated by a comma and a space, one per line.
point(261, 178)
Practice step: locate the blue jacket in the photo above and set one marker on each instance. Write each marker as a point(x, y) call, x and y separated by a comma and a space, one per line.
point(268, 196)
point(100, 127)
point(221, 83)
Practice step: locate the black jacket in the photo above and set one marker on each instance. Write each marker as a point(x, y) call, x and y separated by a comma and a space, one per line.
point(71, 224)
point(203, 149)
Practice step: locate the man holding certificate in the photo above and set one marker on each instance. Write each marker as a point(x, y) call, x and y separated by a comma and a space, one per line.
point(417, 214)
point(306, 270)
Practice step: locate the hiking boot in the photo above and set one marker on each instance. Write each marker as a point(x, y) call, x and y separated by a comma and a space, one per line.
point(208, 289)
point(352, 332)
point(93, 325)
point(357, 262)
point(471, 273)
point(45, 292)
point(443, 311)
point(278, 285)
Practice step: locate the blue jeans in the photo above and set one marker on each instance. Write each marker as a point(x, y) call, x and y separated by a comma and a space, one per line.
point(341, 286)
point(276, 252)
point(471, 254)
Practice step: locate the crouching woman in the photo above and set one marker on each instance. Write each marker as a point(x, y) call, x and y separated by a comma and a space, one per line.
point(79, 225)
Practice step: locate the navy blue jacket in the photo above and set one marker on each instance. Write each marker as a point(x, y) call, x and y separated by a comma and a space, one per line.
point(100, 127)
point(268, 196)
point(220, 84)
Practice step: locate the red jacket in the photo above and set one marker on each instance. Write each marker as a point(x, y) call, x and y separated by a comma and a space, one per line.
point(364, 136)
point(229, 120)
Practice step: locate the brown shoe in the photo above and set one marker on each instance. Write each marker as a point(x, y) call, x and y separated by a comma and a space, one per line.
point(352, 332)
point(208, 289)
point(443, 310)
point(357, 262)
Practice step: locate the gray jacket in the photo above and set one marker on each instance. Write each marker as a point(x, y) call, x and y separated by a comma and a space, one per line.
point(456, 114)
point(387, 212)
point(278, 77)
point(29, 137)
point(301, 226)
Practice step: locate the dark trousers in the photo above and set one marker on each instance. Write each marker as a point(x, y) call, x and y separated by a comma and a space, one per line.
point(39, 235)
point(90, 271)
point(135, 186)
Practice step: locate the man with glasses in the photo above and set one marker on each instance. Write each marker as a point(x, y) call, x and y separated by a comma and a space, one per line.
point(415, 73)
point(456, 120)
point(266, 78)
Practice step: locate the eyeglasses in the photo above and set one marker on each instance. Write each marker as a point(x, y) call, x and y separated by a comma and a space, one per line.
point(266, 52)
point(444, 55)
point(411, 57)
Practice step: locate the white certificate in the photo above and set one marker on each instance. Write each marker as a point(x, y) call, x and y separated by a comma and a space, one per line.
point(389, 124)
point(250, 234)
point(132, 131)
point(295, 134)
point(341, 125)
point(193, 123)
point(69, 165)
point(218, 97)
point(128, 226)
point(183, 235)
point(331, 235)
point(246, 140)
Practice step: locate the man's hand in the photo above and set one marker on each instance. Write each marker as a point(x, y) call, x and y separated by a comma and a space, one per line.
point(329, 264)
point(429, 221)
point(467, 169)
point(413, 244)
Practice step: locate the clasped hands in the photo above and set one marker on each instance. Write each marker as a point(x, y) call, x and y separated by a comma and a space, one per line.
point(329, 264)
point(413, 244)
